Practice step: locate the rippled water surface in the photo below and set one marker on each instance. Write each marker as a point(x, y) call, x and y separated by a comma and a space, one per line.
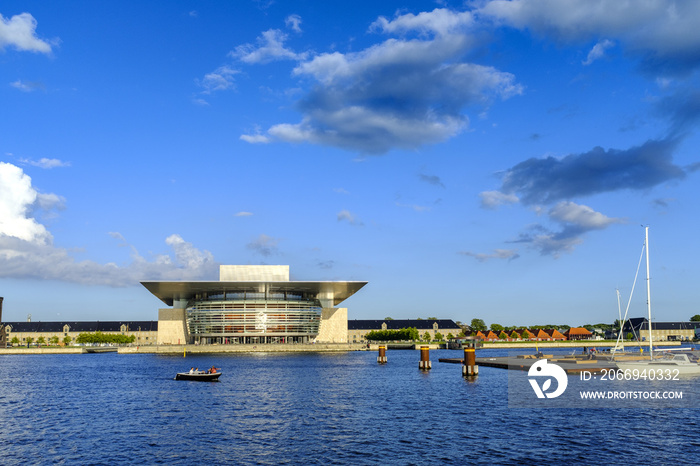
point(308, 409)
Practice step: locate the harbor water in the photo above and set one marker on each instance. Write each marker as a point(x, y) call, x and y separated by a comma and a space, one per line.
point(310, 408)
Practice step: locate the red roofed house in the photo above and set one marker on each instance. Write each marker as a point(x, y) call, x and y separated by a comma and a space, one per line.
point(577, 333)
point(555, 334)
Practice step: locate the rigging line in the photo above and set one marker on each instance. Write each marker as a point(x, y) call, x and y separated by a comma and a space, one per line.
point(636, 275)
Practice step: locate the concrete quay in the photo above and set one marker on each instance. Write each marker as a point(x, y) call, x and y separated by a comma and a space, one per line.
point(191, 349)
point(573, 344)
point(258, 348)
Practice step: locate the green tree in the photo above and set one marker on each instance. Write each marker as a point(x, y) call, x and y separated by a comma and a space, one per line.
point(67, 340)
point(438, 336)
point(404, 334)
point(426, 336)
point(41, 341)
point(432, 318)
point(450, 336)
point(695, 318)
point(515, 335)
point(630, 336)
point(503, 336)
point(478, 325)
point(53, 340)
point(14, 341)
point(496, 328)
point(388, 318)
point(30, 340)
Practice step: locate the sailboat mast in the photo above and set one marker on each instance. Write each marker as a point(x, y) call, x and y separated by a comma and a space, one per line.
point(646, 246)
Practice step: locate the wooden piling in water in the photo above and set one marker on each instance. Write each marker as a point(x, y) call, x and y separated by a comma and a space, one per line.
point(381, 359)
point(424, 364)
point(469, 367)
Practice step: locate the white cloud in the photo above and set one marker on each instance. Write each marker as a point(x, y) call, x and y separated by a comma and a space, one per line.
point(582, 216)
point(218, 80)
point(46, 163)
point(493, 199)
point(293, 22)
point(666, 33)
point(27, 86)
point(20, 32)
point(255, 138)
point(243, 214)
point(400, 93)
point(269, 47)
point(439, 21)
point(50, 201)
point(598, 51)
point(574, 220)
point(17, 198)
point(27, 250)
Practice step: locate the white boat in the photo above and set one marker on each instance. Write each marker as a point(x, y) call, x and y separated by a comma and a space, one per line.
point(666, 366)
point(677, 364)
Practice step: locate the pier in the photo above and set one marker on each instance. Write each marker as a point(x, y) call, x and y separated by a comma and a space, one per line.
point(571, 364)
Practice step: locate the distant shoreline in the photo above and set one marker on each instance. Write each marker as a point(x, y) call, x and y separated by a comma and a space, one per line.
point(312, 348)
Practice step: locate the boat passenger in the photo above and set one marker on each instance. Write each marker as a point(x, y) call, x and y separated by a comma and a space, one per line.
point(191, 370)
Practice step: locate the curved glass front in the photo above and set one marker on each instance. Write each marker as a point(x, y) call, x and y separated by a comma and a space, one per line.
point(253, 320)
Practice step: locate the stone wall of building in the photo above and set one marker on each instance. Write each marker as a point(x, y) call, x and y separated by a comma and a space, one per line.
point(172, 329)
point(334, 325)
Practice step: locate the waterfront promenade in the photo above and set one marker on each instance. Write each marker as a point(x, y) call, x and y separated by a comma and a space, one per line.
point(191, 349)
point(317, 347)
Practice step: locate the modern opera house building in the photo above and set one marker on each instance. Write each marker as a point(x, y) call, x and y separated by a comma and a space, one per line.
point(252, 304)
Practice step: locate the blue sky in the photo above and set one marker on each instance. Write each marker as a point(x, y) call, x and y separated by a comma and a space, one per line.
point(492, 160)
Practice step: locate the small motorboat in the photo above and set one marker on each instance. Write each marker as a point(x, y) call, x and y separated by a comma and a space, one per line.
point(202, 376)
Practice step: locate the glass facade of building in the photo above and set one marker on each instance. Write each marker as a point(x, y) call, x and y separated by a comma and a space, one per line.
point(249, 317)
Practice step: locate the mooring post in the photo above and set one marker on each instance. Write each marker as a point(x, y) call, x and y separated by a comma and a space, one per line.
point(381, 359)
point(469, 367)
point(424, 364)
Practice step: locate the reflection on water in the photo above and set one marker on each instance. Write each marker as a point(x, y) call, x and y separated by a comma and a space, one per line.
point(311, 408)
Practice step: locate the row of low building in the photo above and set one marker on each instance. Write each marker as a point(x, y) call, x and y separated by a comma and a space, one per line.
point(146, 332)
point(66, 333)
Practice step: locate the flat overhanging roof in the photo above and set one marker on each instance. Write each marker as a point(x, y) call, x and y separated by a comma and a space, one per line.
point(168, 292)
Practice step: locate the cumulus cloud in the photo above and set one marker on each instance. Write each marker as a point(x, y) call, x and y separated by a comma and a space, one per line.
point(20, 33)
point(17, 199)
point(440, 22)
point(27, 249)
point(264, 245)
point(400, 93)
point(502, 254)
point(665, 34)
point(550, 179)
point(574, 220)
